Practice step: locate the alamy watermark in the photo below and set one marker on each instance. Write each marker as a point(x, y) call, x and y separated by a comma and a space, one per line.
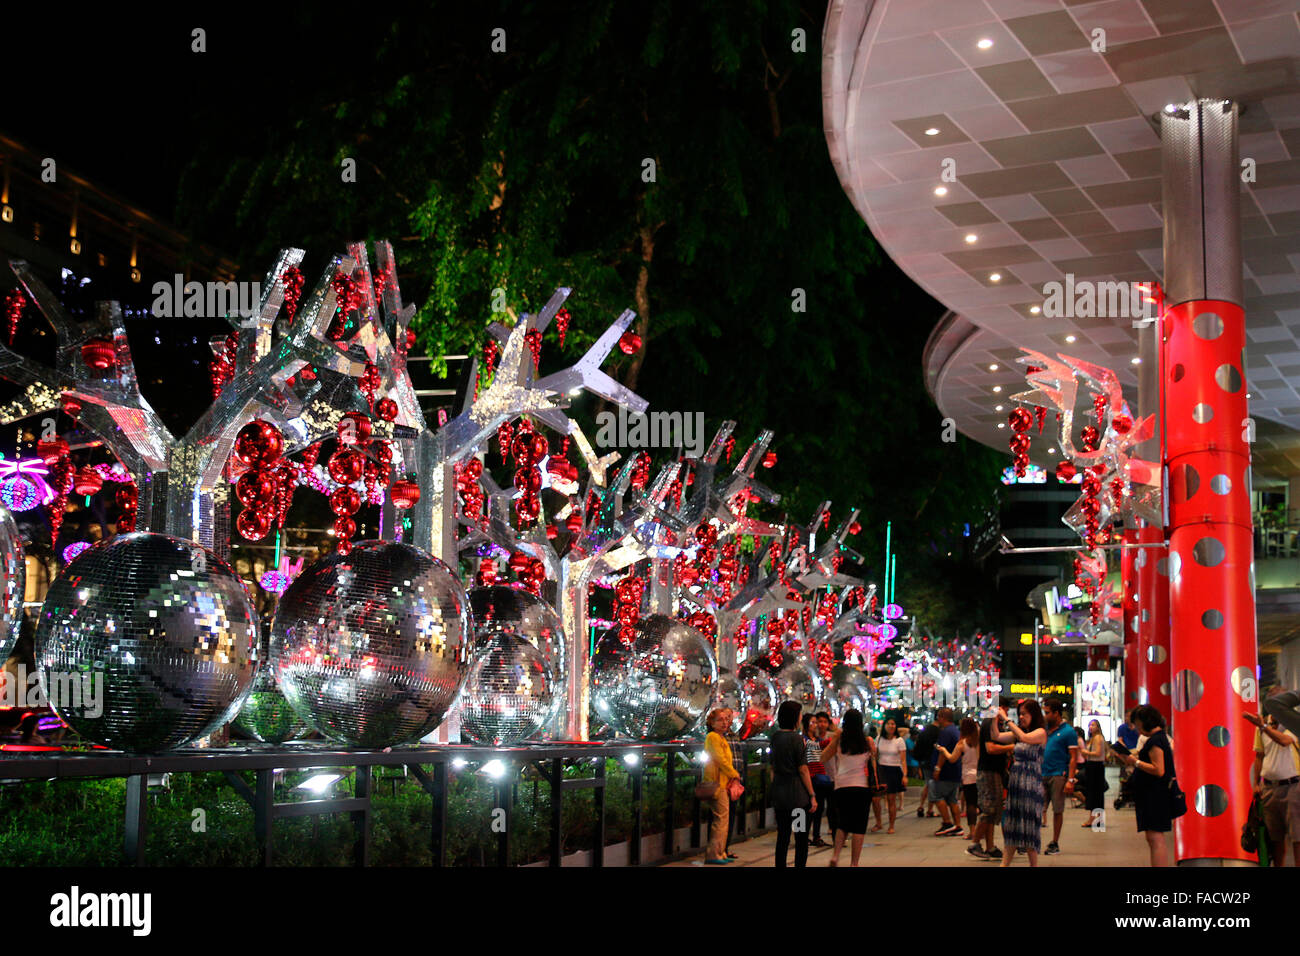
point(622, 429)
point(1087, 299)
point(81, 693)
point(178, 298)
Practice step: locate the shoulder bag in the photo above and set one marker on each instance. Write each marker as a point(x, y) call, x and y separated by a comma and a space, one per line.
point(1177, 799)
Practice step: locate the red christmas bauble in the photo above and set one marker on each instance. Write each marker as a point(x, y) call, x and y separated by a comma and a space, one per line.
point(386, 409)
point(629, 342)
point(99, 354)
point(404, 494)
point(344, 527)
point(573, 523)
point(1020, 419)
point(345, 501)
point(353, 428)
point(1123, 424)
point(346, 467)
point(769, 460)
point(1090, 437)
point(253, 524)
point(52, 450)
point(87, 481)
point(253, 488)
point(1065, 471)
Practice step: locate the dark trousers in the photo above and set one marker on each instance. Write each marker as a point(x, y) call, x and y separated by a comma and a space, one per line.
point(823, 790)
point(784, 825)
point(971, 792)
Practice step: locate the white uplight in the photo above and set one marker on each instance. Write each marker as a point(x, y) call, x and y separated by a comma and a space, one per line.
point(631, 759)
point(494, 769)
point(319, 783)
point(459, 763)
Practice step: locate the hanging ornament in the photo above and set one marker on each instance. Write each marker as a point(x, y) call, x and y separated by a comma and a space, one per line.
point(293, 282)
point(15, 302)
point(533, 339)
point(562, 320)
point(629, 342)
point(769, 460)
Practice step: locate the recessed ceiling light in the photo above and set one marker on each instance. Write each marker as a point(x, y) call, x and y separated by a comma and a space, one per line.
point(932, 131)
point(1051, 451)
point(1171, 108)
point(1002, 424)
point(998, 408)
point(1070, 339)
point(1248, 394)
point(1137, 361)
point(1034, 310)
point(971, 237)
point(941, 190)
point(993, 367)
point(995, 277)
point(997, 388)
point(985, 43)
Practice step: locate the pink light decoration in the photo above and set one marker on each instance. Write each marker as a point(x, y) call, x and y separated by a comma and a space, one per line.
point(32, 470)
point(74, 549)
point(278, 580)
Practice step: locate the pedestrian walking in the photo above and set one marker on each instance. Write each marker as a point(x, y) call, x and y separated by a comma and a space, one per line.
point(990, 786)
point(793, 798)
point(846, 757)
point(1094, 773)
point(722, 772)
point(891, 753)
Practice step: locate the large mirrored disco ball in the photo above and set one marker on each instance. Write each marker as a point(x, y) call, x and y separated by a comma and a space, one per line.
point(371, 647)
point(266, 714)
point(851, 689)
point(751, 697)
point(659, 687)
point(798, 680)
point(510, 693)
point(13, 583)
point(499, 609)
point(146, 642)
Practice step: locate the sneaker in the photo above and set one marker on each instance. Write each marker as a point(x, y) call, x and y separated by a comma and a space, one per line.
point(1052, 848)
point(953, 831)
point(993, 854)
point(977, 852)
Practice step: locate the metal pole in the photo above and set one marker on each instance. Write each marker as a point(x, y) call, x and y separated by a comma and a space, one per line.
point(1038, 627)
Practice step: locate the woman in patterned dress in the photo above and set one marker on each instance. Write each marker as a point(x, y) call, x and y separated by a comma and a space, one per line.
point(1024, 807)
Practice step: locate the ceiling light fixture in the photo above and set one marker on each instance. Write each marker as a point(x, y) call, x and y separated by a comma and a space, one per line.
point(998, 408)
point(932, 131)
point(1002, 424)
point(997, 388)
point(995, 277)
point(985, 43)
point(971, 237)
point(1137, 361)
point(1034, 310)
point(1070, 339)
point(993, 367)
point(941, 190)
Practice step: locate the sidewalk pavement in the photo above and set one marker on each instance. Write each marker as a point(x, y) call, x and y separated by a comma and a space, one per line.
point(913, 844)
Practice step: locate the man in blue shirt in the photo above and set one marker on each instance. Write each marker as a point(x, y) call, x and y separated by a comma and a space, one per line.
point(1059, 759)
point(945, 781)
point(1127, 733)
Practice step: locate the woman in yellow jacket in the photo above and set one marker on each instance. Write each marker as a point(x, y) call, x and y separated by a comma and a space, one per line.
point(722, 771)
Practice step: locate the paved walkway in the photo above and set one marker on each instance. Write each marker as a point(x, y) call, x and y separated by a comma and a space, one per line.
point(913, 844)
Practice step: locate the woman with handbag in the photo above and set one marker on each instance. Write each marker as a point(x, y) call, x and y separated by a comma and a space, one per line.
point(1155, 787)
point(721, 773)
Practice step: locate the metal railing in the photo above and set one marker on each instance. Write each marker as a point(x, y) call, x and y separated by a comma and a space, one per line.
point(431, 766)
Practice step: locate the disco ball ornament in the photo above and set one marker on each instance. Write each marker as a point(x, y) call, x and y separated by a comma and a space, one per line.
point(850, 688)
point(13, 583)
point(510, 693)
point(266, 714)
point(371, 647)
point(751, 697)
point(659, 686)
point(500, 609)
point(798, 680)
point(146, 643)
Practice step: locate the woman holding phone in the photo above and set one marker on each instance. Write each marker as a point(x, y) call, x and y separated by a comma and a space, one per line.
point(1024, 807)
point(1094, 771)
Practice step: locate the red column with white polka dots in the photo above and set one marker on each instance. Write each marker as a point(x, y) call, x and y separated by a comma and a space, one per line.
point(1212, 649)
point(1152, 569)
point(1128, 577)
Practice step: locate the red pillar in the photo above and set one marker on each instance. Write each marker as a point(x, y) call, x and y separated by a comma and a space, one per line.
point(1152, 649)
point(1212, 649)
point(1128, 577)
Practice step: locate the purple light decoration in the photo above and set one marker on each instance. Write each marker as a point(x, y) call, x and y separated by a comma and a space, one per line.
point(888, 632)
point(893, 612)
point(19, 494)
point(277, 581)
point(74, 549)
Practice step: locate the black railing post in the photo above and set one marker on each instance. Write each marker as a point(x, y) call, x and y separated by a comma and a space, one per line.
point(501, 817)
point(638, 808)
point(137, 817)
point(598, 801)
point(361, 818)
point(670, 804)
point(557, 812)
point(441, 783)
point(263, 804)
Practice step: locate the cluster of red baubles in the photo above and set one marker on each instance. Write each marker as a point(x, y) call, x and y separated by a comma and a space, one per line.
point(60, 476)
point(468, 488)
point(528, 447)
point(530, 571)
point(267, 482)
point(221, 370)
point(627, 607)
point(1020, 421)
point(14, 303)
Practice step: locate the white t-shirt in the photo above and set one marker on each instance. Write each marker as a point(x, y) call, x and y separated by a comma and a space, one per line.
point(969, 763)
point(1279, 760)
point(891, 752)
point(850, 770)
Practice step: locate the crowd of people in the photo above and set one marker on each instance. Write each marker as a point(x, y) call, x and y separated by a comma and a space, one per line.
point(843, 780)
